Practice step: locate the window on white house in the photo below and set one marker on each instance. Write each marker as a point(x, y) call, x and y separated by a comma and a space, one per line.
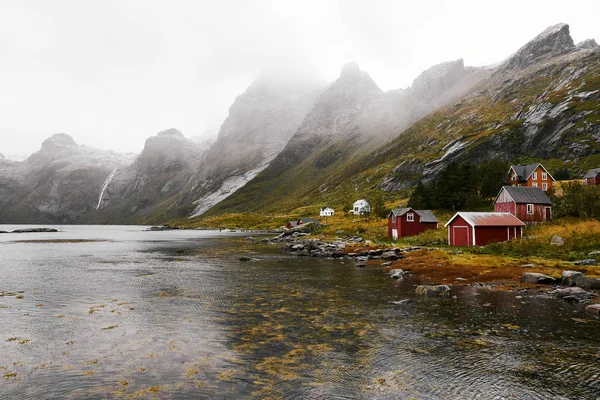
point(544, 176)
point(534, 184)
point(544, 186)
point(529, 209)
point(410, 217)
point(534, 176)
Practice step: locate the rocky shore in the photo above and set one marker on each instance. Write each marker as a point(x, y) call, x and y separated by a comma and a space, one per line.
point(573, 286)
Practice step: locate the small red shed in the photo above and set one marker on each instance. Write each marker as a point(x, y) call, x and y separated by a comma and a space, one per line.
point(592, 177)
point(404, 222)
point(529, 204)
point(482, 228)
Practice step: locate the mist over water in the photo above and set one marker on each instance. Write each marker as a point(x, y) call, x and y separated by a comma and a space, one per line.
point(111, 311)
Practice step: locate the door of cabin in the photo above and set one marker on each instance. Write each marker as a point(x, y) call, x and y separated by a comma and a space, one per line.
point(548, 212)
point(394, 233)
point(460, 235)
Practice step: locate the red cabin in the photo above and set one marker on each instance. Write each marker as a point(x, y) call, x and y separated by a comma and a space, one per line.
point(482, 228)
point(592, 177)
point(529, 204)
point(408, 222)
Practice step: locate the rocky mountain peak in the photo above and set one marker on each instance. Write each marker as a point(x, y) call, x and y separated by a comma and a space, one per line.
point(554, 41)
point(174, 133)
point(2, 156)
point(588, 44)
point(438, 78)
point(58, 141)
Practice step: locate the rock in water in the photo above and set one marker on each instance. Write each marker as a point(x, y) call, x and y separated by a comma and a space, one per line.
point(536, 278)
point(397, 274)
point(433, 291)
point(574, 294)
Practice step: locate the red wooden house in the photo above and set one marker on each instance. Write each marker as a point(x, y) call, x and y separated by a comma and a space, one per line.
point(592, 177)
point(529, 204)
point(531, 175)
point(408, 222)
point(482, 228)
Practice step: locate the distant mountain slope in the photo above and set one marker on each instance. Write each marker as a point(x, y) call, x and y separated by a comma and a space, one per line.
point(58, 184)
point(541, 102)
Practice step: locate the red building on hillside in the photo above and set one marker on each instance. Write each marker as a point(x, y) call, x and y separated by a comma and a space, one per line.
point(529, 204)
point(408, 222)
point(482, 228)
point(592, 177)
point(531, 175)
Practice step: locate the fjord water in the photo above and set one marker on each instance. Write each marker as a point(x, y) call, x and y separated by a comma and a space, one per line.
point(97, 312)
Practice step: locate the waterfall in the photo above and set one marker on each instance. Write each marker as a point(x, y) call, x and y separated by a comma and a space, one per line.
point(104, 186)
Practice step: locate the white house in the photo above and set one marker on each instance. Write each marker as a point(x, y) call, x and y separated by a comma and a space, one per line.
point(326, 212)
point(361, 206)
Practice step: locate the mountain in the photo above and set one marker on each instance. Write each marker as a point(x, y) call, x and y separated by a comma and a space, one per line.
point(541, 102)
point(57, 184)
point(259, 124)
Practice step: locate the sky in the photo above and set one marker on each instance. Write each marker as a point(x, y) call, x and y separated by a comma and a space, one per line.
point(112, 73)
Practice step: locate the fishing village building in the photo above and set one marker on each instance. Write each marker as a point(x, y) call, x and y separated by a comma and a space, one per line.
point(529, 204)
point(592, 177)
point(531, 175)
point(404, 222)
point(482, 228)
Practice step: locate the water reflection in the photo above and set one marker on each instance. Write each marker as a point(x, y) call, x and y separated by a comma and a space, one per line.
point(177, 315)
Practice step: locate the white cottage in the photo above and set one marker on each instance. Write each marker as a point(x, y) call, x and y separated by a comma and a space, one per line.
point(326, 212)
point(361, 206)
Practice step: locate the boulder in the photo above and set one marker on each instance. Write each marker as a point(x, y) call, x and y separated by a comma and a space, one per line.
point(574, 294)
point(537, 278)
point(594, 253)
point(587, 261)
point(529, 266)
point(382, 265)
point(245, 258)
point(569, 277)
point(585, 282)
point(389, 255)
point(593, 309)
point(433, 291)
point(557, 241)
point(397, 274)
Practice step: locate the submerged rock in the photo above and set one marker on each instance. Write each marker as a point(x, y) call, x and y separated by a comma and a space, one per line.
point(245, 258)
point(574, 294)
point(537, 278)
point(397, 273)
point(433, 291)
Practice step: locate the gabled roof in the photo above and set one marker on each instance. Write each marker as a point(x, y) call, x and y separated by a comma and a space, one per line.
point(488, 219)
point(361, 200)
point(524, 171)
point(524, 194)
point(592, 173)
point(426, 215)
point(293, 223)
point(325, 208)
point(305, 220)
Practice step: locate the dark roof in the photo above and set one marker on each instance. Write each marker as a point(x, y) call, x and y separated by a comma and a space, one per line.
point(592, 173)
point(530, 195)
point(488, 219)
point(523, 171)
point(307, 220)
point(426, 215)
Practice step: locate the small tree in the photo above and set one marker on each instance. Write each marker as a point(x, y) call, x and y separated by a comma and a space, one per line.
point(379, 208)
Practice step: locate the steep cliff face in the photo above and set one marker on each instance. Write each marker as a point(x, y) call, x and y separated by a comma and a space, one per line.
point(57, 184)
point(259, 125)
point(352, 117)
point(153, 183)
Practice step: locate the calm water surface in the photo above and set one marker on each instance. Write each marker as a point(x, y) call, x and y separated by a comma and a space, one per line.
point(97, 312)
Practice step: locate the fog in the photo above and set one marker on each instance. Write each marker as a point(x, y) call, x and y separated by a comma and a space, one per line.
point(112, 73)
